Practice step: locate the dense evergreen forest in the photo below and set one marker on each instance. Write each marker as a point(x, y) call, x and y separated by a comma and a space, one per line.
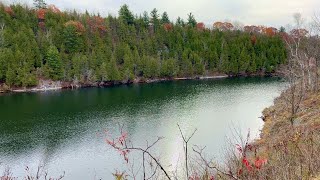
point(42, 42)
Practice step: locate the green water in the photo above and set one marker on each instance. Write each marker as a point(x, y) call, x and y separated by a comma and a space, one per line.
point(65, 129)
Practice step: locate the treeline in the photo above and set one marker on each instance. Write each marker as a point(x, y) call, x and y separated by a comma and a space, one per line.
point(43, 42)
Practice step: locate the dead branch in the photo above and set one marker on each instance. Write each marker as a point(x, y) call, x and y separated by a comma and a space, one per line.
point(199, 151)
point(186, 141)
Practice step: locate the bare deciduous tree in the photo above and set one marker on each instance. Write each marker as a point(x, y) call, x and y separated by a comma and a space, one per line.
point(301, 72)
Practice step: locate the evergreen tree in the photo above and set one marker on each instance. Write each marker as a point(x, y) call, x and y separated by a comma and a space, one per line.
point(198, 65)
point(244, 61)
point(224, 64)
point(152, 68)
point(5, 55)
point(165, 18)
point(10, 75)
point(155, 18)
point(186, 68)
point(113, 72)
point(85, 48)
point(191, 20)
point(253, 66)
point(169, 68)
point(180, 22)
point(54, 63)
point(146, 18)
point(126, 15)
point(128, 67)
point(72, 41)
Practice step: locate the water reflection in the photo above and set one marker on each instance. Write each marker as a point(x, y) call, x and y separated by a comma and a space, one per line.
point(63, 128)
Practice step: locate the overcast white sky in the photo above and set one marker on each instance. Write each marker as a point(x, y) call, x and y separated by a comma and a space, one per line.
point(265, 12)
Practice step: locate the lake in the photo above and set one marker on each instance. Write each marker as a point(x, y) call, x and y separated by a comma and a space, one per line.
point(65, 129)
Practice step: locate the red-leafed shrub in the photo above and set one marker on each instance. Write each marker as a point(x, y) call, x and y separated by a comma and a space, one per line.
point(79, 27)
point(41, 13)
point(97, 23)
point(200, 26)
point(270, 31)
point(168, 26)
point(258, 163)
point(223, 26)
point(9, 11)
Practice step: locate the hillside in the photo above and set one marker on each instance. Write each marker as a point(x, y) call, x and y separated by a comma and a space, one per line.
point(292, 150)
point(44, 43)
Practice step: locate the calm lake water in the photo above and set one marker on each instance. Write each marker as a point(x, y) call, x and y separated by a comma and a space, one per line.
point(65, 129)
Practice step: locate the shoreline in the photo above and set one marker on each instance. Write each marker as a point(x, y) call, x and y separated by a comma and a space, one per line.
point(67, 85)
point(49, 85)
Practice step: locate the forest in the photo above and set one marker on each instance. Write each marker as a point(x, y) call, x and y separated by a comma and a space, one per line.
point(42, 42)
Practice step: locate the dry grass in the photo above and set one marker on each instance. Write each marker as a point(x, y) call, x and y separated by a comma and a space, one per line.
point(292, 151)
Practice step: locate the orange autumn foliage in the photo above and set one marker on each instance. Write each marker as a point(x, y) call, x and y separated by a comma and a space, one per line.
point(41, 13)
point(270, 31)
point(253, 39)
point(223, 26)
point(79, 27)
point(168, 26)
point(97, 23)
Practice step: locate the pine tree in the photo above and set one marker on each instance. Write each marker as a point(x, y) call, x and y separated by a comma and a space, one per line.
point(128, 67)
point(152, 68)
point(213, 59)
point(71, 39)
point(169, 68)
point(191, 20)
point(54, 63)
point(155, 18)
point(244, 61)
point(186, 68)
point(10, 75)
point(5, 57)
point(253, 66)
point(180, 22)
point(165, 18)
point(141, 65)
point(198, 64)
point(146, 19)
point(113, 72)
point(224, 60)
point(126, 15)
